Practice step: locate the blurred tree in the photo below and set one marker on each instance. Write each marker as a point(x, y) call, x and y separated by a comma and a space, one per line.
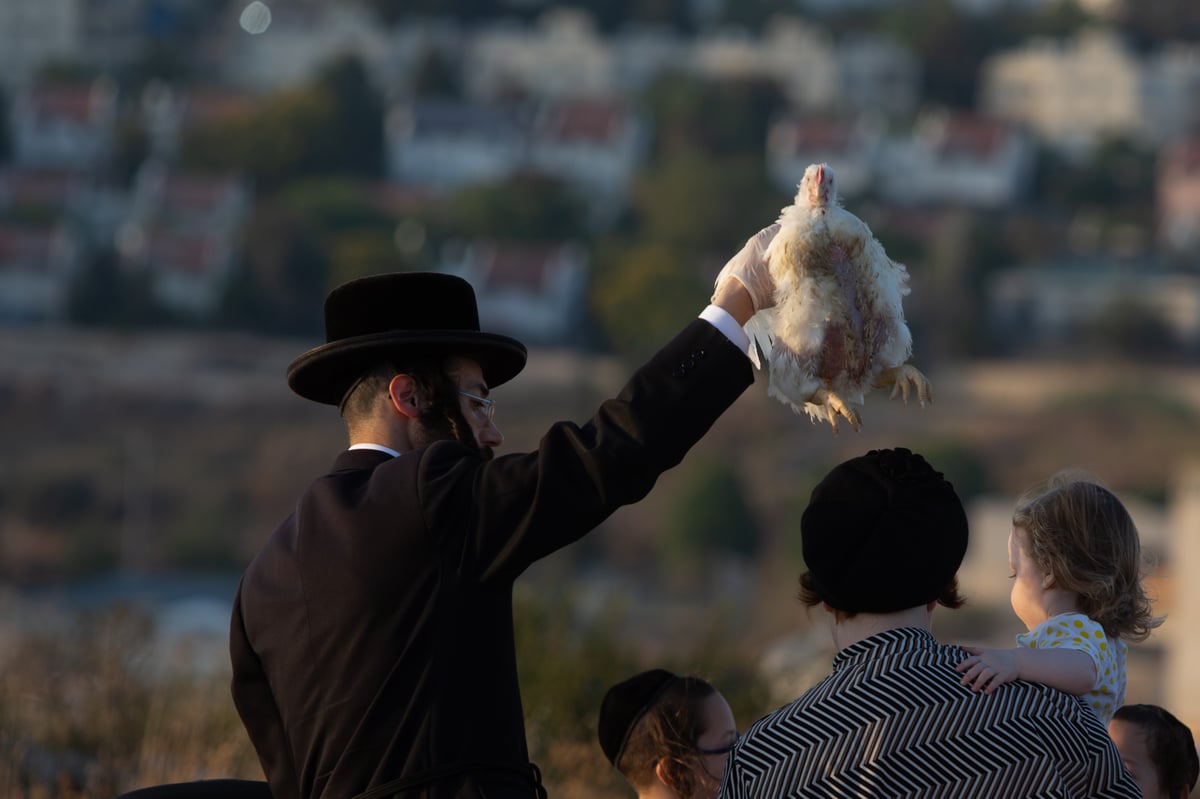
point(951, 44)
point(1131, 329)
point(435, 76)
point(690, 200)
point(755, 14)
point(6, 146)
point(334, 205)
point(522, 208)
point(1150, 25)
point(364, 251)
point(200, 539)
point(392, 11)
point(58, 499)
point(286, 276)
point(104, 294)
point(1056, 20)
point(712, 517)
point(713, 117)
point(129, 150)
point(612, 15)
point(355, 133)
point(1119, 174)
point(961, 464)
point(280, 142)
point(642, 291)
point(332, 126)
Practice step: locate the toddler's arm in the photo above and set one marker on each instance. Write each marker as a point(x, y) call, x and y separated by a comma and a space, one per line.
point(1069, 670)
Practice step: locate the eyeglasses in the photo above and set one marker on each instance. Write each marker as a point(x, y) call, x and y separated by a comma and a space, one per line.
point(488, 406)
point(721, 750)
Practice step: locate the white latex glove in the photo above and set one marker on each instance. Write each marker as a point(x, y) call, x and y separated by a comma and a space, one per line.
point(749, 267)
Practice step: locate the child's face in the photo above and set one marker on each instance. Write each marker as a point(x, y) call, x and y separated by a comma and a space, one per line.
point(1130, 739)
point(1029, 582)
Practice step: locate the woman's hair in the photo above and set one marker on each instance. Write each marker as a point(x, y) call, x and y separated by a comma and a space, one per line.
point(1170, 744)
point(667, 733)
point(1082, 534)
point(440, 413)
point(950, 597)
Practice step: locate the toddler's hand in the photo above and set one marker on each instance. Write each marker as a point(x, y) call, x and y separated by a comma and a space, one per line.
point(987, 669)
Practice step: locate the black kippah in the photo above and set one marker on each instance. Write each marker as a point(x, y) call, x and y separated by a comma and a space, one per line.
point(625, 704)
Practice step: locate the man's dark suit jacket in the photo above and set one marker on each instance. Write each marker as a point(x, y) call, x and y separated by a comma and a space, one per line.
point(372, 637)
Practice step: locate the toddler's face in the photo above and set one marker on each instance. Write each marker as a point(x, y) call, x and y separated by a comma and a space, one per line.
point(1029, 581)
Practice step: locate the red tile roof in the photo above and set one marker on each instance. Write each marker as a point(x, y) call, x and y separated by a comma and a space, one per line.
point(587, 120)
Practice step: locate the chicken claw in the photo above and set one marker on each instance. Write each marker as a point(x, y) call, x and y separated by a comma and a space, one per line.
point(902, 379)
point(835, 406)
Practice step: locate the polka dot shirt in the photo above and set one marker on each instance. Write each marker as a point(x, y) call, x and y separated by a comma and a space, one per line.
point(1077, 631)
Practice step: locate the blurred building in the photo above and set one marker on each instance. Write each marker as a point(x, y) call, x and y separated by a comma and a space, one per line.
point(300, 39)
point(850, 145)
point(1054, 303)
point(1075, 93)
point(800, 58)
point(64, 125)
point(165, 112)
point(534, 292)
point(182, 232)
point(1179, 195)
point(34, 34)
point(37, 264)
point(448, 144)
point(1181, 689)
point(958, 159)
point(562, 55)
point(947, 158)
point(593, 144)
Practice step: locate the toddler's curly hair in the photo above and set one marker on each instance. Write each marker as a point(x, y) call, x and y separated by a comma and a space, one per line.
point(1082, 534)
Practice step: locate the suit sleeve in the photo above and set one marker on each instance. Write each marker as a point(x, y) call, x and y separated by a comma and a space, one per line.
point(519, 508)
point(258, 709)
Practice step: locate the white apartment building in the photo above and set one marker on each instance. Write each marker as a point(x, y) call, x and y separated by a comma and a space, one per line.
point(1076, 92)
point(33, 34)
point(562, 55)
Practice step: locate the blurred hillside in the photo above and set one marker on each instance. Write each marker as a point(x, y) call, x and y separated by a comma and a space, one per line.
point(183, 451)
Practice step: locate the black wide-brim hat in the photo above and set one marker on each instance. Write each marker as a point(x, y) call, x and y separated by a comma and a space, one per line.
point(395, 316)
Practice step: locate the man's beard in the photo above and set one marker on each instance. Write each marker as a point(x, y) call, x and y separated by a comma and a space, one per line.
point(445, 422)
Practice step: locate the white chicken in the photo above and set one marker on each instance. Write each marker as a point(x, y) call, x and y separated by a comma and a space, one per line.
point(837, 328)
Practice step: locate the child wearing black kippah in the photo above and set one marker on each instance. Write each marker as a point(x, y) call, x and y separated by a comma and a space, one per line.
point(670, 736)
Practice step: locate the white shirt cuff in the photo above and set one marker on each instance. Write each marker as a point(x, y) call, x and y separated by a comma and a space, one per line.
point(720, 319)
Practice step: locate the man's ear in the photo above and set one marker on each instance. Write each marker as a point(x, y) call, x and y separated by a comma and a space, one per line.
point(402, 391)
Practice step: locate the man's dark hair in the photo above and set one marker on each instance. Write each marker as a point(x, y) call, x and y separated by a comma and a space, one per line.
point(440, 413)
point(1170, 744)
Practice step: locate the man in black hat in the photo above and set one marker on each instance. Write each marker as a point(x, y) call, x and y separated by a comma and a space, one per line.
point(882, 537)
point(372, 636)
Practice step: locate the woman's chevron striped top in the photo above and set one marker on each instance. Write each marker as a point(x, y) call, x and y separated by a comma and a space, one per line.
point(892, 720)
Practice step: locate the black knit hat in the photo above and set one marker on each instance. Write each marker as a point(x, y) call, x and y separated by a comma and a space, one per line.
point(883, 532)
point(395, 316)
point(625, 704)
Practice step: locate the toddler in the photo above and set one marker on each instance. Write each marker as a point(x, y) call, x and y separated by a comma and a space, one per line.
point(1075, 560)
